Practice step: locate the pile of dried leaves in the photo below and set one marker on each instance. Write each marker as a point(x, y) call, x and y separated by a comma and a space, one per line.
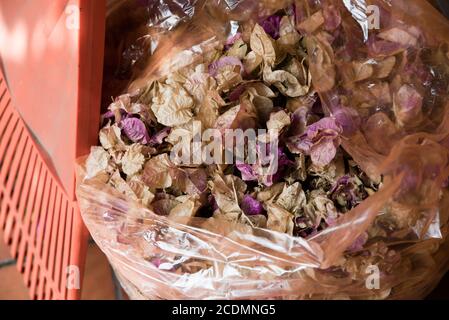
point(271, 75)
point(261, 83)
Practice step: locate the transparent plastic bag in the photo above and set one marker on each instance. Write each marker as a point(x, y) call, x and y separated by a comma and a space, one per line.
point(160, 258)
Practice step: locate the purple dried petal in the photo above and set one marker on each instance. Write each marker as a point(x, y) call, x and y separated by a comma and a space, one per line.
point(108, 115)
point(346, 188)
point(348, 119)
point(324, 152)
point(332, 18)
point(282, 166)
point(382, 48)
point(159, 137)
point(272, 26)
point(251, 206)
point(323, 124)
point(135, 130)
point(358, 243)
point(320, 141)
point(213, 203)
point(236, 93)
point(232, 40)
point(223, 62)
point(247, 172)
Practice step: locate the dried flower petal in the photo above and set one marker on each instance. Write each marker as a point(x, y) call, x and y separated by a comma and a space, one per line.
point(156, 173)
point(172, 105)
point(320, 141)
point(408, 104)
point(97, 162)
point(215, 67)
point(321, 64)
point(263, 45)
point(135, 130)
point(271, 25)
point(311, 24)
point(278, 121)
point(251, 206)
point(287, 83)
point(133, 160)
point(279, 219)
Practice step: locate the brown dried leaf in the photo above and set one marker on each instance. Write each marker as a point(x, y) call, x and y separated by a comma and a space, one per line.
point(263, 45)
point(156, 173)
point(311, 24)
point(289, 37)
point(111, 137)
point(278, 121)
point(321, 63)
point(292, 198)
point(287, 83)
point(279, 219)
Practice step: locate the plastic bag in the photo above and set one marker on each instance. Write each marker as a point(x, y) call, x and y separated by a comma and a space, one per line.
point(160, 258)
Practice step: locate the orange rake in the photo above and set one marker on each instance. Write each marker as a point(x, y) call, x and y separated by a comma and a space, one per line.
point(49, 116)
point(40, 224)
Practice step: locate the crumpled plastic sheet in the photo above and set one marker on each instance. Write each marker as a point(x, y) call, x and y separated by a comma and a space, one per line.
point(158, 258)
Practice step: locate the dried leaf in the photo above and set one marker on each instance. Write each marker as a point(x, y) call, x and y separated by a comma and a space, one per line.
point(289, 37)
point(321, 64)
point(407, 107)
point(287, 83)
point(111, 137)
point(156, 173)
point(172, 105)
point(252, 61)
point(311, 24)
point(385, 67)
point(133, 160)
point(278, 121)
point(279, 219)
point(97, 162)
point(399, 36)
point(186, 208)
point(263, 45)
point(292, 198)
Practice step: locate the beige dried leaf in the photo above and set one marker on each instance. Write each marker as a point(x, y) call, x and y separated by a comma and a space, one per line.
point(252, 61)
point(385, 67)
point(287, 83)
point(238, 49)
point(186, 208)
point(228, 191)
point(288, 36)
point(156, 174)
point(142, 192)
point(399, 36)
point(172, 105)
point(97, 162)
point(133, 160)
point(263, 45)
point(292, 198)
point(229, 77)
point(362, 70)
point(111, 137)
point(268, 194)
point(279, 219)
point(278, 121)
point(118, 183)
